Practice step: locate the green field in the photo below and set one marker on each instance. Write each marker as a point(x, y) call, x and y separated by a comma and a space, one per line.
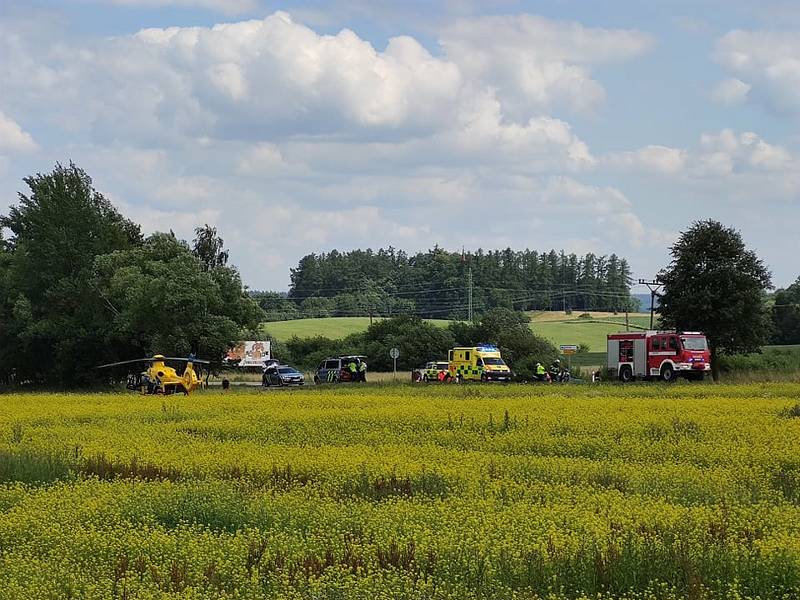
point(331, 327)
point(642, 492)
point(592, 333)
point(555, 326)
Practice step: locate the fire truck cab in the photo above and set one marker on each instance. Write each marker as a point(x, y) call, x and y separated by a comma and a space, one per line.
point(664, 355)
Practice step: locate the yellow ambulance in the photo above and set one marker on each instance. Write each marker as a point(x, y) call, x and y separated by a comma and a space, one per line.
point(478, 363)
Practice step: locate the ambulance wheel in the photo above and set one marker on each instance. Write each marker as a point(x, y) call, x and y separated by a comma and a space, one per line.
point(625, 374)
point(425, 378)
point(484, 378)
point(668, 373)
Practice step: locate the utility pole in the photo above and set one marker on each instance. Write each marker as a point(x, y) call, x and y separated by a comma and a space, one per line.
point(469, 294)
point(653, 286)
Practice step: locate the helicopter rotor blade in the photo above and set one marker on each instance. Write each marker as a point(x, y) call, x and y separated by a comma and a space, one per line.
point(124, 362)
point(191, 360)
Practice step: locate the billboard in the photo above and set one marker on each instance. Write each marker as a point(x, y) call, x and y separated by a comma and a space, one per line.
point(249, 354)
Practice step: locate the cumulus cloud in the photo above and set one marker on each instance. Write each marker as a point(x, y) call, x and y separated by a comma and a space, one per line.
point(768, 62)
point(275, 77)
point(716, 154)
point(537, 63)
point(729, 152)
point(291, 141)
point(658, 159)
point(13, 138)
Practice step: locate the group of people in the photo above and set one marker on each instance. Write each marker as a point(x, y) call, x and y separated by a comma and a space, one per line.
point(556, 373)
point(358, 370)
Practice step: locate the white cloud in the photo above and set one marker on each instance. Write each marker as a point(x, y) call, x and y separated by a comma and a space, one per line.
point(290, 141)
point(730, 91)
point(13, 138)
point(657, 159)
point(728, 152)
point(723, 154)
point(274, 75)
point(535, 63)
point(768, 62)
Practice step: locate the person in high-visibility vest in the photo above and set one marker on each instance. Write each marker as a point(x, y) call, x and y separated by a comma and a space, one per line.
point(352, 368)
point(541, 372)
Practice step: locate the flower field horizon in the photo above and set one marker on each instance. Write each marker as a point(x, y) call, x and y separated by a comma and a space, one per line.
point(398, 491)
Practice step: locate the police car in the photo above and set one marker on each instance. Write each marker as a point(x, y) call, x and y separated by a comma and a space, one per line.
point(334, 369)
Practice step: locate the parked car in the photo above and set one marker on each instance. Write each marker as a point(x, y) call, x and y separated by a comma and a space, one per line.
point(281, 375)
point(334, 369)
point(435, 370)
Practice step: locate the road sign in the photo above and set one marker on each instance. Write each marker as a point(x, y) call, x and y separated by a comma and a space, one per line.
point(568, 349)
point(393, 354)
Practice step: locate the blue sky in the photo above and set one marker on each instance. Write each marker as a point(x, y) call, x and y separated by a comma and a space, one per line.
point(296, 127)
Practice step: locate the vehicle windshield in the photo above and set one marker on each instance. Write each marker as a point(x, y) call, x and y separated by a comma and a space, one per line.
point(694, 343)
point(493, 361)
point(443, 365)
point(287, 370)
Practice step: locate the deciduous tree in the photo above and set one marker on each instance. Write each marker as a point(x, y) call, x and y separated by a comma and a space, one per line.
point(714, 284)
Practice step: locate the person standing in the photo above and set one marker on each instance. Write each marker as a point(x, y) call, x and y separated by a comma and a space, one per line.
point(362, 371)
point(352, 368)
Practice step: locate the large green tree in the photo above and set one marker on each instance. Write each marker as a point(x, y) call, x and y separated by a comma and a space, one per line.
point(786, 315)
point(165, 299)
point(54, 325)
point(80, 287)
point(714, 284)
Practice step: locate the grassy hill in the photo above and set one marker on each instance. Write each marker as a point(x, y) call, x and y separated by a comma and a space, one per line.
point(331, 327)
point(592, 331)
point(555, 326)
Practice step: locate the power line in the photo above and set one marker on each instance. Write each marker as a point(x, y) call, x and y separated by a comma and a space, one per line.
point(653, 286)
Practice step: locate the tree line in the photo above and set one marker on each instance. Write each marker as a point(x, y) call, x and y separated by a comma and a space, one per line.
point(80, 286)
point(434, 284)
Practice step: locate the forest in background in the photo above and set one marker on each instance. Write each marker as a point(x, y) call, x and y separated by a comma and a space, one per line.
point(434, 284)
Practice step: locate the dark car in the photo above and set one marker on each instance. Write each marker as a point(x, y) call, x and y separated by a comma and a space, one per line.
point(281, 375)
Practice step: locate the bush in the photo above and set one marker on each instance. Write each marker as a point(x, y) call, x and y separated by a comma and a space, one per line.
point(771, 359)
point(417, 340)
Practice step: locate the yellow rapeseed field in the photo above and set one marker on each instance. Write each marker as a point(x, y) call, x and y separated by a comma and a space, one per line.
point(642, 492)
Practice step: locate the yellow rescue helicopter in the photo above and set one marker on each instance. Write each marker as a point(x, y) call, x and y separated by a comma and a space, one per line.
point(159, 378)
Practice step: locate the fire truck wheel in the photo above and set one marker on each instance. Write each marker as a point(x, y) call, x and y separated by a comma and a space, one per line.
point(667, 373)
point(626, 374)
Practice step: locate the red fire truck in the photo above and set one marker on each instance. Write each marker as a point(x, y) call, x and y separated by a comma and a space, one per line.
point(658, 354)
